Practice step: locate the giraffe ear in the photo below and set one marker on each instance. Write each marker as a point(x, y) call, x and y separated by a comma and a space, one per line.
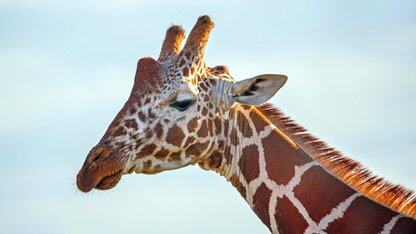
point(257, 90)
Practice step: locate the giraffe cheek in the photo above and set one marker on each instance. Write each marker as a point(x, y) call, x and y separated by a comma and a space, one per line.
point(175, 136)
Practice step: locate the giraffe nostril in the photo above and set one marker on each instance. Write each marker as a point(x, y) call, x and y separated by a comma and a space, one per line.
point(98, 153)
point(95, 157)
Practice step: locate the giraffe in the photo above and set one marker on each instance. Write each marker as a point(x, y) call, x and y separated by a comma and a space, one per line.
point(181, 112)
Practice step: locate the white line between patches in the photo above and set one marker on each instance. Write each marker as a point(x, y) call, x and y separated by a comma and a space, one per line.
point(389, 226)
point(337, 212)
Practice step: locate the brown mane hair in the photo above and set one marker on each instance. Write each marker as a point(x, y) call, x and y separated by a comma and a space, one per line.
point(349, 171)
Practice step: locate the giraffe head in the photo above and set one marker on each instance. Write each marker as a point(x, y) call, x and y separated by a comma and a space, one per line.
point(176, 114)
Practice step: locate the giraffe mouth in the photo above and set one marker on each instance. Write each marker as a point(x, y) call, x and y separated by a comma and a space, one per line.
point(109, 181)
point(86, 181)
point(101, 170)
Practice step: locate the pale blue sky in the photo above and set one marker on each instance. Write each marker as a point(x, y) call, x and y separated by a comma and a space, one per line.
point(66, 67)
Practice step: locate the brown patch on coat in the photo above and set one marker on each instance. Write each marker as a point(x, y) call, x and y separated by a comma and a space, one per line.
point(228, 155)
point(245, 128)
point(365, 215)
point(204, 111)
point(221, 145)
point(162, 153)
point(206, 98)
point(281, 158)
point(159, 130)
point(175, 135)
point(185, 71)
point(192, 124)
point(147, 150)
point(404, 226)
point(226, 127)
point(249, 163)
point(232, 112)
point(131, 123)
point(261, 201)
point(234, 137)
point(218, 126)
point(120, 132)
point(330, 189)
point(211, 127)
point(203, 130)
point(258, 122)
point(288, 218)
point(197, 148)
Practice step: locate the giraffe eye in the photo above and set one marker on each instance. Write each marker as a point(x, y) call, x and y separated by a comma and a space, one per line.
point(182, 105)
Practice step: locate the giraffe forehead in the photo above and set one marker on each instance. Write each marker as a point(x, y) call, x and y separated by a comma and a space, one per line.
point(174, 85)
point(153, 77)
point(179, 72)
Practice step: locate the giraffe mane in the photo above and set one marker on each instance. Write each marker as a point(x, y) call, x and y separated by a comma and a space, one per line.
point(351, 172)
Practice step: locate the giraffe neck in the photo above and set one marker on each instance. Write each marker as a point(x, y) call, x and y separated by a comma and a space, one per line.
point(286, 188)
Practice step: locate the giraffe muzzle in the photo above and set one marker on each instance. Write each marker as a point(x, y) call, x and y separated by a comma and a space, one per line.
point(102, 170)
